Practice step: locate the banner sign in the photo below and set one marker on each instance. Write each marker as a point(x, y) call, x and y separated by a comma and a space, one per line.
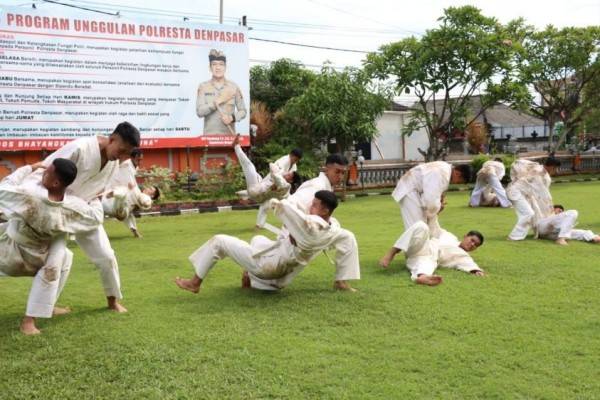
point(66, 74)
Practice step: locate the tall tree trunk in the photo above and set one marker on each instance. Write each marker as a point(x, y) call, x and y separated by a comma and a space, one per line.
point(550, 133)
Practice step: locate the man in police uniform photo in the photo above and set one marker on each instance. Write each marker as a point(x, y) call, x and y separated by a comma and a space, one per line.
point(219, 100)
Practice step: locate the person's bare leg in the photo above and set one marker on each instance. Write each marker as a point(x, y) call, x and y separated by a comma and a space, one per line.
point(136, 233)
point(28, 326)
point(596, 239)
point(246, 280)
point(561, 241)
point(388, 257)
point(236, 140)
point(61, 310)
point(191, 285)
point(114, 305)
point(429, 280)
point(343, 285)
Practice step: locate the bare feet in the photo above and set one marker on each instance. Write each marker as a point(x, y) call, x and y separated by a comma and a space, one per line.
point(343, 285)
point(28, 327)
point(236, 140)
point(61, 310)
point(429, 280)
point(135, 232)
point(596, 239)
point(114, 305)
point(561, 241)
point(246, 280)
point(385, 261)
point(188, 284)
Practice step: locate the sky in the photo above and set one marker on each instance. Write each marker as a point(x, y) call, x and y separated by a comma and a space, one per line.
point(359, 26)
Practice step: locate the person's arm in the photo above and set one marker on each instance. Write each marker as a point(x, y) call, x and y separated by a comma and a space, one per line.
point(17, 177)
point(202, 107)
point(70, 151)
point(240, 114)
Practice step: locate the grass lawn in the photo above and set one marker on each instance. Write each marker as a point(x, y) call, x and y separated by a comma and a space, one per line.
point(530, 329)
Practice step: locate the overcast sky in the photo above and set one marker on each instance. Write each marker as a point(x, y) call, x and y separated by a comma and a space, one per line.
point(344, 24)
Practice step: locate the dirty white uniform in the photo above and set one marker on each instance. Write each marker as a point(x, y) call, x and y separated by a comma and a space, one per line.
point(346, 248)
point(91, 180)
point(124, 200)
point(529, 192)
point(33, 241)
point(562, 226)
point(273, 263)
point(489, 176)
point(424, 253)
point(285, 165)
point(419, 193)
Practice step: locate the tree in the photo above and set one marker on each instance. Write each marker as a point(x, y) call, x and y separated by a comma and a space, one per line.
point(559, 64)
point(338, 106)
point(466, 55)
point(275, 84)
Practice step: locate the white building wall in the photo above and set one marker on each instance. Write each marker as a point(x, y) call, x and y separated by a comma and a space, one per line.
point(392, 144)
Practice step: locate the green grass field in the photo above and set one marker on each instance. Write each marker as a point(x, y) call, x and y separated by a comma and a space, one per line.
point(529, 330)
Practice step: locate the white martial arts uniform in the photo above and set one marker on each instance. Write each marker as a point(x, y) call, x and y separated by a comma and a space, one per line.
point(285, 165)
point(530, 195)
point(346, 248)
point(419, 193)
point(33, 241)
point(562, 226)
point(424, 253)
point(92, 180)
point(489, 176)
point(273, 264)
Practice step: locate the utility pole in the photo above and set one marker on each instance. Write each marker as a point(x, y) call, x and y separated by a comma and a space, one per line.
point(220, 11)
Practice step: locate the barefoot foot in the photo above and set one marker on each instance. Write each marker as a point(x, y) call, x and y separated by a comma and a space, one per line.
point(429, 280)
point(343, 285)
point(561, 242)
point(28, 327)
point(61, 310)
point(187, 284)
point(246, 280)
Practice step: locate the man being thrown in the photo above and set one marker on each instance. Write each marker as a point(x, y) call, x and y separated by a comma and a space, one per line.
point(424, 253)
point(419, 194)
point(278, 261)
point(33, 241)
point(97, 160)
point(560, 227)
point(489, 177)
point(275, 185)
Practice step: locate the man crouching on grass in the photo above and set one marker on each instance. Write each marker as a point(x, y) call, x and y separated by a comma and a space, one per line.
point(271, 265)
point(425, 253)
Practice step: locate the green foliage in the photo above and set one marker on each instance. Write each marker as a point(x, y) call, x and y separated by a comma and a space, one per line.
point(468, 53)
point(560, 64)
point(336, 106)
point(275, 84)
point(529, 330)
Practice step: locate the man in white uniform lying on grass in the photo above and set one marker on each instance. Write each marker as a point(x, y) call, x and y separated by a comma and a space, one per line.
point(33, 241)
point(97, 160)
point(424, 253)
point(560, 227)
point(305, 236)
point(276, 185)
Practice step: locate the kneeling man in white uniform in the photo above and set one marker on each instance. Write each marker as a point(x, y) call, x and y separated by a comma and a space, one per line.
point(560, 227)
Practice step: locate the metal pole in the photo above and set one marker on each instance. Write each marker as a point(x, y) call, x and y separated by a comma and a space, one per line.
point(220, 11)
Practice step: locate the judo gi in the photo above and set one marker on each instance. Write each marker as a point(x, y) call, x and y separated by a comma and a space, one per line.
point(561, 226)
point(33, 241)
point(424, 252)
point(419, 192)
point(273, 264)
point(489, 177)
point(91, 181)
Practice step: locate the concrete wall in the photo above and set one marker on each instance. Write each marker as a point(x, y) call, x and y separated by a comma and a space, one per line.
point(392, 144)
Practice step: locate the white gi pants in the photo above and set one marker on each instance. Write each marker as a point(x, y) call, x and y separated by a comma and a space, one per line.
point(484, 180)
point(418, 249)
point(96, 246)
point(252, 177)
point(47, 286)
point(411, 209)
point(261, 217)
point(561, 226)
point(524, 212)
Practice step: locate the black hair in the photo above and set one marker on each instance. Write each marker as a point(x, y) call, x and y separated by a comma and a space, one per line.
point(297, 152)
point(478, 234)
point(296, 182)
point(559, 206)
point(336, 159)
point(66, 170)
point(156, 194)
point(465, 170)
point(498, 159)
point(128, 133)
point(328, 199)
point(136, 152)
